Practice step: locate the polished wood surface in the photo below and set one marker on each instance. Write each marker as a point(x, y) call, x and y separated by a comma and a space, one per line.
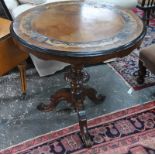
point(77, 28)
point(77, 24)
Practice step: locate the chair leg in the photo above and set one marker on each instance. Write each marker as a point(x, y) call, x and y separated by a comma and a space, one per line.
point(146, 17)
point(153, 13)
point(141, 73)
point(22, 70)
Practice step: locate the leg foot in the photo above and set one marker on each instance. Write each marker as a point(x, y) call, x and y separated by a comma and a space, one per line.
point(92, 95)
point(140, 80)
point(141, 73)
point(83, 129)
point(87, 140)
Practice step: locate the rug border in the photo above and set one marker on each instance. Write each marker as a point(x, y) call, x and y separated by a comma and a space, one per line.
point(99, 120)
point(115, 140)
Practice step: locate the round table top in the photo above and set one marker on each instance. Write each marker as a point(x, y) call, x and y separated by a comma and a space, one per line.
point(77, 28)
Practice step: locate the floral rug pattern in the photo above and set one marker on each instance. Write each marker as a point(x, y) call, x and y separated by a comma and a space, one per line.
point(128, 131)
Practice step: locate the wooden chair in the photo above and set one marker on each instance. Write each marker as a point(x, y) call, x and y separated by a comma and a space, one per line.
point(147, 60)
point(10, 55)
point(13, 8)
point(148, 6)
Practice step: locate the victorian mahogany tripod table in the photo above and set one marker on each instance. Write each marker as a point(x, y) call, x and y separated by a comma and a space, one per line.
point(79, 33)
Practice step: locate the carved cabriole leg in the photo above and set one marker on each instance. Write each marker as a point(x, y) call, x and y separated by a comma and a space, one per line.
point(61, 95)
point(22, 70)
point(91, 93)
point(141, 73)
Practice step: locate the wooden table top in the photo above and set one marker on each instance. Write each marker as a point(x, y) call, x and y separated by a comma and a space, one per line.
point(77, 28)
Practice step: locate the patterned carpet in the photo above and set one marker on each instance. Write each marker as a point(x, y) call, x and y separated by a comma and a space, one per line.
point(127, 67)
point(62, 141)
point(127, 131)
